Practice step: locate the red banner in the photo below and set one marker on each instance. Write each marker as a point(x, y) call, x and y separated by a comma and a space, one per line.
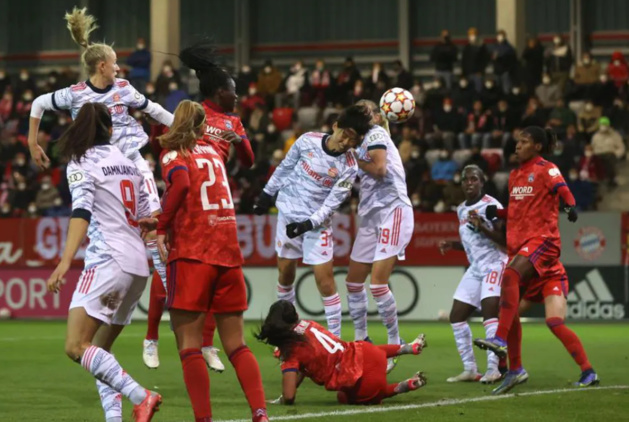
point(39, 243)
point(23, 292)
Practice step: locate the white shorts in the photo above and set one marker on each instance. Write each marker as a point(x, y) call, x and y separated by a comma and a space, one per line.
point(473, 288)
point(384, 234)
point(314, 247)
point(107, 293)
point(149, 186)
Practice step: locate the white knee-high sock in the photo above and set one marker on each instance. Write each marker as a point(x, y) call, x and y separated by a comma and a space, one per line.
point(332, 306)
point(160, 267)
point(104, 367)
point(286, 293)
point(491, 325)
point(357, 302)
point(463, 339)
point(111, 400)
point(387, 308)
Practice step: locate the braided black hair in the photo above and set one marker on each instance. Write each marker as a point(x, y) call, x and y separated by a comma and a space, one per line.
point(203, 58)
point(546, 137)
point(277, 329)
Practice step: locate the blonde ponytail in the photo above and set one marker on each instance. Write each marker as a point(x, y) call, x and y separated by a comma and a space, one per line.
point(380, 119)
point(188, 126)
point(81, 25)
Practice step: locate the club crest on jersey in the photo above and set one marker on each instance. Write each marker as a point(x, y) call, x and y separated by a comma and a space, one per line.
point(169, 156)
point(531, 178)
point(332, 172)
point(116, 97)
point(554, 172)
point(228, 124)
point(211, 219)
point(310, 154)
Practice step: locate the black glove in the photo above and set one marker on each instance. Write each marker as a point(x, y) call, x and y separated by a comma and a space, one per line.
point(491, 212)
point(297, 229)
point(572, 214)
point(263, 204)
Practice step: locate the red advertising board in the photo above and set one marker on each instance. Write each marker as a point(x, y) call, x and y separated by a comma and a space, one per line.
point(24, 293)
point(38, 243)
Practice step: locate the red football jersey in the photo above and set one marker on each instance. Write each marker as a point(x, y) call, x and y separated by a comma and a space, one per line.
point(325, 358)
point(533, 203)
point(218, 122)
point(204, 227)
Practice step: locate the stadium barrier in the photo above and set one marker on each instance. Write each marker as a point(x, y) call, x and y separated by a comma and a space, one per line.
point(594, 250)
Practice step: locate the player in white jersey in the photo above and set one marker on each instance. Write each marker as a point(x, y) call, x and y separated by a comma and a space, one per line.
point(118, 95)
point(314, 179)
point(107, 201)
point(385, 229)
point(480, 286)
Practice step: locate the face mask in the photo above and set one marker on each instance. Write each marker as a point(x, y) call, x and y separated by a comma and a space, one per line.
point(472, 39)
point(618, 104)
point(172, 87)
point(52, 80)
point(6, 209)
point(32, 209)
point(616, 62)
point(557, 40)
point(589, 107)
point(440, 207)
point(27, 97)
point(20, 162)
point(586, 61)
point(45, 186)
point(150, 90)
point(456, 179)
point(61, 122)
point(416, 202)
point(137, 115)
point(443, 155)
point(57, 202)
point(168, 69)
point(437, 85)
point(267, 69)
point(489, 85)
point(502, 108)
point(415, 155)
point(252, 91)
point(516, 91)
point(604, 128)
point(500, 38)
point(21, 186)
point(270, 128)
point(546, 80)
point(588, 153)
point(2, 75)
point(573, 177)
point(140, 46)
point(463, 84)
point(298, 67)
point(603, 78)
point(23, 76)
point(584, 175)
point(558, 151)
point(447, 108)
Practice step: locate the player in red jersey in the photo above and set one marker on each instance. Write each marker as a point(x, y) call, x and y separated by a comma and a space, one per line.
point(204, 258)
point(224, 128)
point(534, 247)
point(356, 370)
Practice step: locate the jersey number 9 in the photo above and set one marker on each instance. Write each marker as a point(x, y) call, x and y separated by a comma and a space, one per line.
point(128, 200)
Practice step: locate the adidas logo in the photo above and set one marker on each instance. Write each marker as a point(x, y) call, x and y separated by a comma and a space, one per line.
point(384, 250)
point(592, 299)
point(525, 249)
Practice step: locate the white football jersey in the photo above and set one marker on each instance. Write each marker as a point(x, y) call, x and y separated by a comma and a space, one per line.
point(481, 251)
point(376, 194)
point(108, 185)
point(312, 180)
point(128, 135)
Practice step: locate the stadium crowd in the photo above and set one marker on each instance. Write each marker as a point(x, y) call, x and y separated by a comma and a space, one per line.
point(466, 117)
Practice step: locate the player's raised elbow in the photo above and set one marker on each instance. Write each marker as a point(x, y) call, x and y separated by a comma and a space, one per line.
point(380, 171)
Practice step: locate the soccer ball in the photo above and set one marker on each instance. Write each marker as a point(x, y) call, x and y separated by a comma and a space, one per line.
point(397, 105)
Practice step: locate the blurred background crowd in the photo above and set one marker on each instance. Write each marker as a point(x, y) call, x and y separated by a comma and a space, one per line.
point(467, 117)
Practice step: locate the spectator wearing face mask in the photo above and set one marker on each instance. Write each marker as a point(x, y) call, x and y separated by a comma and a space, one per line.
point(23, 111)
point(559, 61)
point(271, 141)
point(453, 195)
point(346, 80)
point(417, 168)
point(562, 158)
point(505, 61)
point(140, 62)
point(464, 95)
point(403, 78)
point(477, 159)
point(505, 120)
point(619, 117)
point(444, 55)
point(608, 146)
point(444, 169)
point(419, 94)
point(583, 190)
point(24, 82)
point(588, 120)
point(490, 94)
point(533, 63)
point(446, 125)
point(5, 210)
point(517, 100)
point(603, 92)
point(377, 75)
point(474, 59)
point(166, 76)
point(47, 196)
point(296, 83)
point(5, 80)
point(479, 124)
point(321, 83)
point(6, 106)
point(586, 73)
point(533, 115)
point(561, 117)
point(590, 166)
point(250, 101)
point(174, 97)
point(617, 70)
point(435, 95)
point(548, 92)
point(245, 78)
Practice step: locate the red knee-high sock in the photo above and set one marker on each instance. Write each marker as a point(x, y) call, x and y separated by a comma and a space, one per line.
point(391, 350)
point(514, 344)
point(197, 383)
point(570, 341)
point(208, 330)
point(509, 300)
point(156, 307)
point(248, 373)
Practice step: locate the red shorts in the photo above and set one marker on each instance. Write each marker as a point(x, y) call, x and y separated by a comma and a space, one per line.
point(371, 387)
point(195, 286)
point(537, 289)
point(544, 254)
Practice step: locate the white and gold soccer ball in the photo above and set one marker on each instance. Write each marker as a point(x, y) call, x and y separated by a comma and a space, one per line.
point(397, 105)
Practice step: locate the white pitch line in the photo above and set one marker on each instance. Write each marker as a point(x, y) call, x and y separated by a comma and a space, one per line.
point(451, 402)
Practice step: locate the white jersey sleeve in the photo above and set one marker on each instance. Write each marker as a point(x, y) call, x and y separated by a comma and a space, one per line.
point(82, 187)
point(62, 99)
point(339, 193)
point(281, 174)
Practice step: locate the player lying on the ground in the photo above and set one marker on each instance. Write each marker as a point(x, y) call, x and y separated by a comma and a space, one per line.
point(534, 247)
point(107, 200)
point(386, 228)
point(313, 181)
point(356, 370)
point(480, 286)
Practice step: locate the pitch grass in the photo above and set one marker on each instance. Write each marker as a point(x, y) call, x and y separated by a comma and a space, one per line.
point(40, 384)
